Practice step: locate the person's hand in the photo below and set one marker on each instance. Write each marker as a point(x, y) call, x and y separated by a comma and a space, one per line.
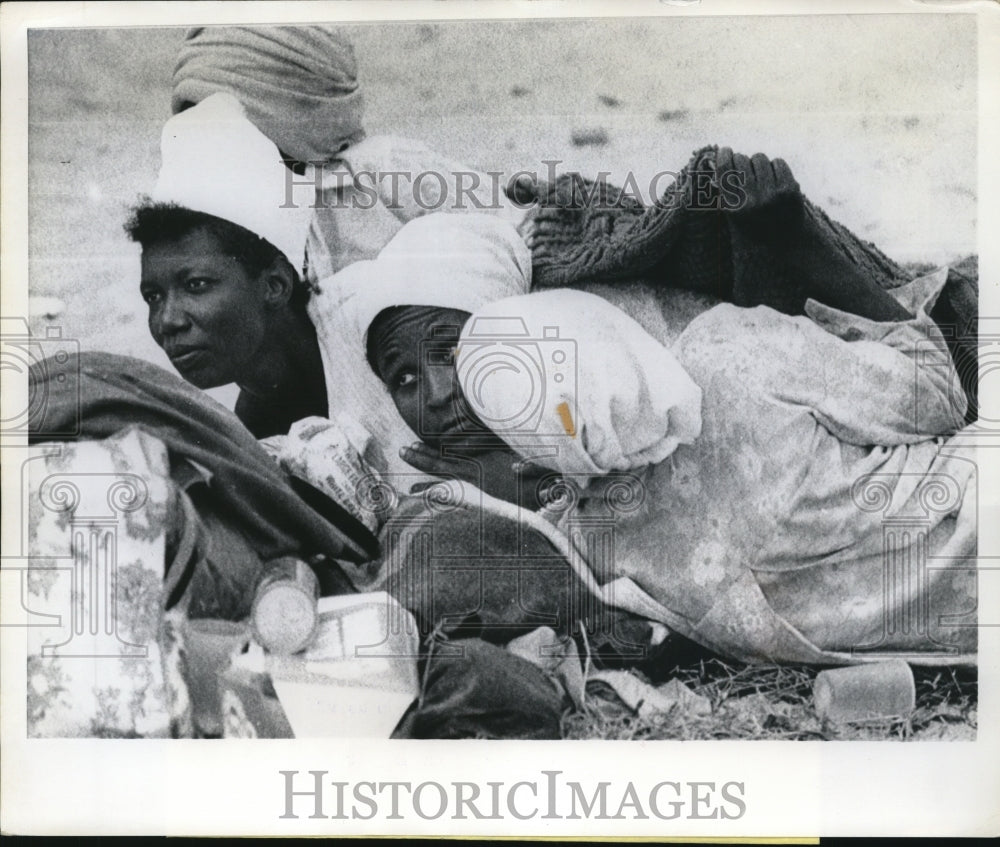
point(760, 194)
point(497, 472)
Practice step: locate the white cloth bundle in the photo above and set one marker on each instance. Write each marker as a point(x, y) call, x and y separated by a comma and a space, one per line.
point(444, 260)
point(603, 392)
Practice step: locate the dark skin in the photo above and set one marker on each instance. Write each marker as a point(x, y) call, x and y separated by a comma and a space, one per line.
point(414, 361)
point(221, 323)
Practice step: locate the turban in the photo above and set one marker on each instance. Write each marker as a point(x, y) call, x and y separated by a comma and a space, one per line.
point(568, 368)
point(298, 83)
point(444, 260)
point(452, 261)
point(215, 161)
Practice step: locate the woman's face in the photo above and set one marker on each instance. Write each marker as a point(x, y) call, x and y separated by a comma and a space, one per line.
point(207, 312)
point(415, 357)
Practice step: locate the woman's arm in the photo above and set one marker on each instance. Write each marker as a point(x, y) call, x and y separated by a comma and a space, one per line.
point(771, 210)
point(500, 473)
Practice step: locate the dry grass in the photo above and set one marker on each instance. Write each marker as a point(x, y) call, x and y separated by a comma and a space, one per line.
point(774, 702)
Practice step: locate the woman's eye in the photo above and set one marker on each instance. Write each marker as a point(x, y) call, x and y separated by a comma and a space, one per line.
point(406, 379)
point(197, 284)
point(150, 297)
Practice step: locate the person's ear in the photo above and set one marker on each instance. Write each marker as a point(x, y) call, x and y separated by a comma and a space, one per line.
point(280, 282)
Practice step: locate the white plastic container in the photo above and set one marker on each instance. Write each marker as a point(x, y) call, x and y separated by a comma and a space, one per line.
point(877, 691)
point(359, 674)
point(285, 616)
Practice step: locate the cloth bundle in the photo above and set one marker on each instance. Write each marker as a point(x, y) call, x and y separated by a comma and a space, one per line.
point(95, 395)
point(299, 84)
point(596, 233)
point(609, 398)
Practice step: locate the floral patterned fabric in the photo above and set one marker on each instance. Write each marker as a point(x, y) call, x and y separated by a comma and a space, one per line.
point(828, 511)
point(107, 664)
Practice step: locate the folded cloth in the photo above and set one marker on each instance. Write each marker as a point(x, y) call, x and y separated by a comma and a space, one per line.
point(95, 395)
point(299, 84)
point(597, 233)
point(609, 396)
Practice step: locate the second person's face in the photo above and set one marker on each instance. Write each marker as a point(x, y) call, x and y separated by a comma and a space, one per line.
point(415, 357)
point(207, 312)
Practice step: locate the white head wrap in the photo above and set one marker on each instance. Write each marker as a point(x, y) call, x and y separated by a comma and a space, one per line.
point(569, 370)
point(217, 162)
point(450, 260)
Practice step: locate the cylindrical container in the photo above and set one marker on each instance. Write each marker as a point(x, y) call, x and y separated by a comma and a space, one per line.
point(880, 690)
point(209, 646)
point(284, 608)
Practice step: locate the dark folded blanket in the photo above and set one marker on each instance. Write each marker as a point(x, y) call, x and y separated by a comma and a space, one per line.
point(595, 232)
point(95, 395)
point(684, 240)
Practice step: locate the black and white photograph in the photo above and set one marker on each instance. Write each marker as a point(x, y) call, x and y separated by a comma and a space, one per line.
point(419, 419)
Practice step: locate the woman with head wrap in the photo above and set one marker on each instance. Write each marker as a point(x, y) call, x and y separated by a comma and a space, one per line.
point(404, 310)
point(222, 256)
point(299, 86)
point(221, 267)
point(779, 488)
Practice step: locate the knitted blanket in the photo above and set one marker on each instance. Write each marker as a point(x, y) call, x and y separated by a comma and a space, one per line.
point(595, 232)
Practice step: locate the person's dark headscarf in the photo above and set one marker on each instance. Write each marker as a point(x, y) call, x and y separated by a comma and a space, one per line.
point(298, 84)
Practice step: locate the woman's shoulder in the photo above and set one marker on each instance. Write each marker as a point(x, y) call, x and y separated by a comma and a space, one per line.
point(663, 312)
point(742, 324)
